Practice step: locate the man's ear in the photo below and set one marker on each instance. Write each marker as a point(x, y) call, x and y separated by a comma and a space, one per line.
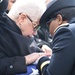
point(22, 17)
point(60, 19)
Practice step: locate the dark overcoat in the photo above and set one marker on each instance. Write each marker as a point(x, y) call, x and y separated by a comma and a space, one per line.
point(13, 47)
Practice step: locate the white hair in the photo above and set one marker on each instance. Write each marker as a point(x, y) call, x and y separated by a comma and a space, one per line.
point(33, 8)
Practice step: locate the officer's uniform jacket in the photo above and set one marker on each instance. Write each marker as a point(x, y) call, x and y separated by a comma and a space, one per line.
point(62, 61)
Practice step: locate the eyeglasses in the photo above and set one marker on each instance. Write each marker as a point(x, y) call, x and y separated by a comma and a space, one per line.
point(48, 23)
point(35, 26)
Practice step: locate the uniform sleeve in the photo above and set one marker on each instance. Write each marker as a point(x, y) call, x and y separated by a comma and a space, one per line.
point(11, 65)
point(62, 59)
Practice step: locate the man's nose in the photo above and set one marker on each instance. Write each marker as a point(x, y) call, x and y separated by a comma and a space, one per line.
point(34, 32)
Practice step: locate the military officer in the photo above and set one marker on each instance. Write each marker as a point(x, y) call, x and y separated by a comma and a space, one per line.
point(59, 18)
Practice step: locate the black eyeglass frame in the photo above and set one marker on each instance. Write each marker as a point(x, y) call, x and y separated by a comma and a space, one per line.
point(36, 27)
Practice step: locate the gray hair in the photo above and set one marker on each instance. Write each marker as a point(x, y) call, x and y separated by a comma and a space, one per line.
point(33, 8)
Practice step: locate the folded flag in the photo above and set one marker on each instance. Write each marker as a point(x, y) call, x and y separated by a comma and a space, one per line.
point(31, 70)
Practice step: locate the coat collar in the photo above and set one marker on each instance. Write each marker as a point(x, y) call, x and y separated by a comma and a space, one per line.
point(62, 25)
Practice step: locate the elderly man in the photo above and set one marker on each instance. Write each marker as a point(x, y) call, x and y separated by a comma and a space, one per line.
point(16, 29)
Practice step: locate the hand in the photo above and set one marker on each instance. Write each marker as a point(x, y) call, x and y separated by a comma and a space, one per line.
point(47, 49)
point(36, 62)
point(34, 56)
